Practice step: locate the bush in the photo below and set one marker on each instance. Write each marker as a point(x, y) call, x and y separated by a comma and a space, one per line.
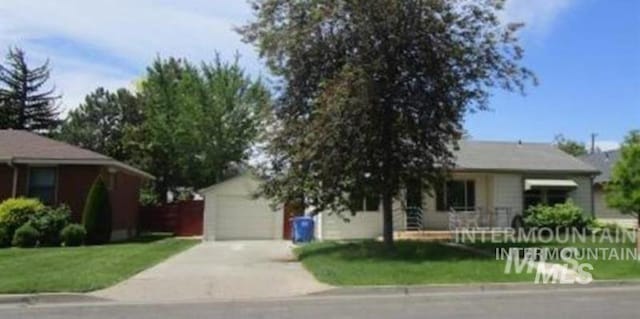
point(96, 216)
point(49, 222)
point(5, 239)
point(26, 236)
point(560, 216)
point(73, 235)
point(15, 212)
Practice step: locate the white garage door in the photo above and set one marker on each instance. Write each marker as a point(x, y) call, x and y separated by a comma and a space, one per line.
point(239, 217)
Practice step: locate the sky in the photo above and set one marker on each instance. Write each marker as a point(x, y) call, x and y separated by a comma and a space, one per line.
point(585, 53)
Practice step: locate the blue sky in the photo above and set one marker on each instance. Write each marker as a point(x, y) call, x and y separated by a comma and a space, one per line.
point(586, 54)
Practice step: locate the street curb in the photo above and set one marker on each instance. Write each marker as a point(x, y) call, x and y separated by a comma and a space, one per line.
point(465, 288)
point(48, 298)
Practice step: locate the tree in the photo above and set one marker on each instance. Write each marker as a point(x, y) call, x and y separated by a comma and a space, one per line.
point(373, 92)
point(96, 216)
point(24, 103)
point(198, 121)
point(101, 123)
point(623, 190)
point(569, 146)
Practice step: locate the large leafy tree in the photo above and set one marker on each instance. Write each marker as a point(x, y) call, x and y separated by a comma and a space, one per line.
point(623, 190)
point(570, 146)
point(199, 121)
point(374, 92)
point(25, 103)
point(101, 123)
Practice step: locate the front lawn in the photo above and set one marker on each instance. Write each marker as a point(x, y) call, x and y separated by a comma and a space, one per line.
point(81, 269)
point(605, 264)
point(412, 263)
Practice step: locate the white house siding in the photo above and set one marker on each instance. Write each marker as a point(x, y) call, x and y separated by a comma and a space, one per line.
point(231, 212)
point(362, 225)
point(581, 196)
point(508, 191)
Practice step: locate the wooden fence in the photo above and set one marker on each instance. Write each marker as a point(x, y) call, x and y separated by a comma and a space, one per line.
point(181, 218)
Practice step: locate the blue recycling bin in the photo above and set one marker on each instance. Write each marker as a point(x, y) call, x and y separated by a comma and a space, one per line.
point(302, 229)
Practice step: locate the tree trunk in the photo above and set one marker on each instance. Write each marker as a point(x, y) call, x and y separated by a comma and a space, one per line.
point(387, 219)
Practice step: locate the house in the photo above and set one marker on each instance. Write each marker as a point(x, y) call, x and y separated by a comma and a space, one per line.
point(491, 184)
point(604, 161)
point(59, 173)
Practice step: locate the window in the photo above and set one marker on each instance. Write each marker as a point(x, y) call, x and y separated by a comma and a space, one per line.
point(360, 202)
point(42, 184)
point(545, 196)
point(460, 195)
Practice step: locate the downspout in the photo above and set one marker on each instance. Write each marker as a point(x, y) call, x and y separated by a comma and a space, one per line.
point(14, 186)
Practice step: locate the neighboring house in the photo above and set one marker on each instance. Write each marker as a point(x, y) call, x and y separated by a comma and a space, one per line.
point(604, 161)
point(59, 173)
point(491, 184)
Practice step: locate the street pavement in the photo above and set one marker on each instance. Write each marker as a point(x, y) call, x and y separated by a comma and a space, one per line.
point(582, 303)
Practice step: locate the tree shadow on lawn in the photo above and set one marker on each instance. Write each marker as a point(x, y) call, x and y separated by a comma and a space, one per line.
point(406, 251)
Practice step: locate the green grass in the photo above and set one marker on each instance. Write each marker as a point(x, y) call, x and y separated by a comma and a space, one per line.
point(602, 269)
point(411, 263)
point(81, 269)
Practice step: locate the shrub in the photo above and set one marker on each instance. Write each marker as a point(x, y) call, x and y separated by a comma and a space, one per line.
point(96, 216)
point(15, 212)
point(560, 216)
point(49, 222)
point(5, 239)
point(73, 235)
point(26, 236)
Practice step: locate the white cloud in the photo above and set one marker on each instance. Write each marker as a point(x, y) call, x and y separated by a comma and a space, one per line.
point(113, 40)
point(125, 34)
point(537, 15)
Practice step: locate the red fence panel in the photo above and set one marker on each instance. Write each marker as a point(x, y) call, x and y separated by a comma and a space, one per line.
point(181, 218)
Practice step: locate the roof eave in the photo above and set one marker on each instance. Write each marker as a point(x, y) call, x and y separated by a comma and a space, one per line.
point(58, 161)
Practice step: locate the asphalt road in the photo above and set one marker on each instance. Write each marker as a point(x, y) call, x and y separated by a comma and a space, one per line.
point(614, 302)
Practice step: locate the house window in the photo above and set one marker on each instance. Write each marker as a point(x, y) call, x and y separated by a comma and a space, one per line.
point(459, 195)
point(545, 196)
point(42, 184)
point(364, 202)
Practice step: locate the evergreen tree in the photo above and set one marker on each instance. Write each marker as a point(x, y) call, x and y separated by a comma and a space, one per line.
point(102, 122)
point(24, 101)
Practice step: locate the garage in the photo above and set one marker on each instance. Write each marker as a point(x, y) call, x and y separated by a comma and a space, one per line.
point(232, 213)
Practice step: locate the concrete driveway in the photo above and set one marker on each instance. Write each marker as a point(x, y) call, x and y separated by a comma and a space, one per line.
point(227, 270)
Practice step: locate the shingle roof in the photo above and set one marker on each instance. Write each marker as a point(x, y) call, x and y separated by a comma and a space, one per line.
point(26, 147)
point(515, 156)
point(604, 162)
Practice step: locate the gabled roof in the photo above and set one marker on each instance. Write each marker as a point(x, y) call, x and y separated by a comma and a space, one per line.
point(23, 147)
point(517, 156)
point(603, 161)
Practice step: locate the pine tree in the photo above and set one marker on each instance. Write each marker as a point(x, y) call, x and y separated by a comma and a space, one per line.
point(24, 102)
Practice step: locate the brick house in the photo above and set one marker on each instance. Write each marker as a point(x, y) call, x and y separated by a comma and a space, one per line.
point(59, 173)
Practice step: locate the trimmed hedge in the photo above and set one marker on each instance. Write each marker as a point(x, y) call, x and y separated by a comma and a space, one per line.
point(26, 236)
point(15, 212)
point(49, 222)
point(73, 235)
point(560, 216)
point(96, 217)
